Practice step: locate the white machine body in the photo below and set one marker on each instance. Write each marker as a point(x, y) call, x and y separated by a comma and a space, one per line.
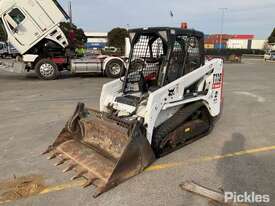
point(166, 101)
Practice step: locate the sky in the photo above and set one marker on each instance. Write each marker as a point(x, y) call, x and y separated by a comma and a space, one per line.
point(241, 16)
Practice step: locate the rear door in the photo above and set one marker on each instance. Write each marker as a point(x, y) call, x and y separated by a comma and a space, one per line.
point(23, 28)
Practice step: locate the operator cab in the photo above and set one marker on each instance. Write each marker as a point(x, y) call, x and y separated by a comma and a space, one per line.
point(158, 57)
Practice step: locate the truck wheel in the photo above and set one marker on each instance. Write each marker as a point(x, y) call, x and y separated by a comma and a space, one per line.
point(46, 69)
point(115, 69)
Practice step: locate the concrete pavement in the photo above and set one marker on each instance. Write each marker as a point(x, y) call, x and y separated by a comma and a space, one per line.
point(33, 112)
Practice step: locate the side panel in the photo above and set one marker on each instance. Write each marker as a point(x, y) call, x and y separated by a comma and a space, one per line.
point(172, 95)
point(109, 92)
point(214, 98)
point(40, 15)
point(52, 10)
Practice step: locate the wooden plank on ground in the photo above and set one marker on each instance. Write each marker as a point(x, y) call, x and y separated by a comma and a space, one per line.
point(216, 196)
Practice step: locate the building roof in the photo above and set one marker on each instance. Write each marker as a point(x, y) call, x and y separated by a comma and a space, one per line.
point(231, 36)
point(243, 36)
point(96, 34)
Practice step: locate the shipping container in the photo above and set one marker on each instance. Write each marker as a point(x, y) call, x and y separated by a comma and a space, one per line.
point(237, 44)
point(95, 45)
point(209, 46)
point(214, 41)
point(219, 36)
point(243, 36)
point(258, 44)
point(219, 46)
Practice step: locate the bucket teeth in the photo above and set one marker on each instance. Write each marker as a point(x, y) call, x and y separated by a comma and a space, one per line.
point(89, 182)
point(50, 148)
point(60, 162)
point(103, 150)
point(52, 156)
point(78, 175)
point(46, 152)
point(69, 168)
point(98, 192)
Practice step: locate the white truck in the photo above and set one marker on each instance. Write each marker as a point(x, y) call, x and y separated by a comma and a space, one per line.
point(270, 55)
point(7, 50)
point(33, 28)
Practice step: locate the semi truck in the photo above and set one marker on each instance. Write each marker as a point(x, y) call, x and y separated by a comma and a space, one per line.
point(7, 50)
point(33, 28)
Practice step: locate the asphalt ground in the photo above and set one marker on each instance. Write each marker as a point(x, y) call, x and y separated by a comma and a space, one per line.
point(237, 156)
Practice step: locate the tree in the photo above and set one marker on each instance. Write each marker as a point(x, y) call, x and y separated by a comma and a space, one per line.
point(116, 38)
point(79, 36)
point(271, 38)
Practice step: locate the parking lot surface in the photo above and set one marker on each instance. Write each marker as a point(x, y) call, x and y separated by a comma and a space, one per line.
point(33, 112)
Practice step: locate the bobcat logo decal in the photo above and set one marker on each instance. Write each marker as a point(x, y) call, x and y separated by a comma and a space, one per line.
point(171, 92)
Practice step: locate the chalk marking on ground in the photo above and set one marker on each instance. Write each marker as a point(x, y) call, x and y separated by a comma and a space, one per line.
point(260, 99)
point(55, 188)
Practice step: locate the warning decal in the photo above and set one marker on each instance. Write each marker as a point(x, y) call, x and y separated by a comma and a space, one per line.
point(217, 81)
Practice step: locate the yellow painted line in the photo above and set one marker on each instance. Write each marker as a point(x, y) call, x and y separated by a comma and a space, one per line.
point(210, 158)
point(82, 181)
point(66, 185)
point(5, 201)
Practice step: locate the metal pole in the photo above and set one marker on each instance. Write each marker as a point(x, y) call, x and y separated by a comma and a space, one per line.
point(222, 23)
point(70, 13)
point(172, 17)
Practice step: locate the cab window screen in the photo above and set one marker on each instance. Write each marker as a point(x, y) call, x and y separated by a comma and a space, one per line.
point(17, 15)
point(146, 60)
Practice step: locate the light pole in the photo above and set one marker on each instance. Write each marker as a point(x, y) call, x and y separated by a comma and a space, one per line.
point(70, 12)
point(172, 17)
point(222, 22)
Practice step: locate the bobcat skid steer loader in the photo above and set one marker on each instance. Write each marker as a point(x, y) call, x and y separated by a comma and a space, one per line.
point(168, 98)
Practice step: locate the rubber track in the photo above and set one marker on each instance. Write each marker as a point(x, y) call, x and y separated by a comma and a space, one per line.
point(171, 124)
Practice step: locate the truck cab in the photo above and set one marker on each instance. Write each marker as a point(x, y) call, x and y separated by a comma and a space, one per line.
point(30, 26)
point(26, 22)
point(3, 49)
point(33, 28)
